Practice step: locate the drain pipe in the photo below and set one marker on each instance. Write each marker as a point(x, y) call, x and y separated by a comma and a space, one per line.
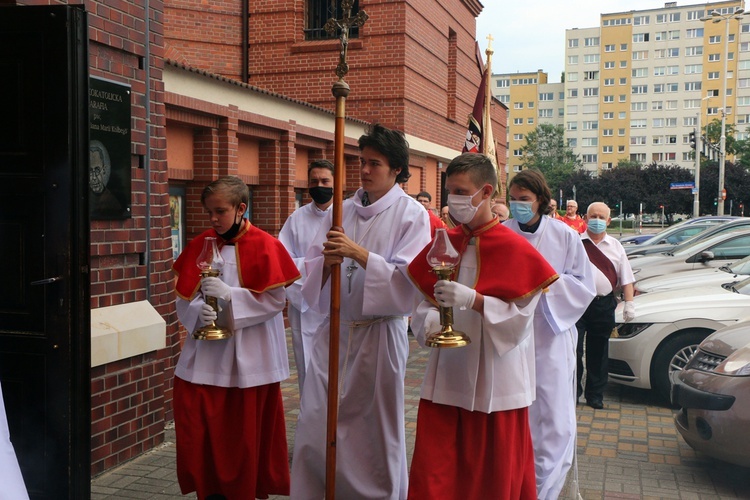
point(147, 159)
point(245, 41)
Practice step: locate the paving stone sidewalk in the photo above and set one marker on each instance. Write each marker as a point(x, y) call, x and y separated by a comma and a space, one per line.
point(629, 450)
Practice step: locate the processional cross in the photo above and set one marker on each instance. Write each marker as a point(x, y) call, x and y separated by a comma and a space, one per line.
point(345, 24)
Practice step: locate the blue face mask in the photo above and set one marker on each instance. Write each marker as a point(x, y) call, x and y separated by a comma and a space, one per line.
point(597, 226)
point(522, 211)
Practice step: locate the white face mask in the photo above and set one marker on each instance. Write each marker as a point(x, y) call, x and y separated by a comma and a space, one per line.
point(461, 207)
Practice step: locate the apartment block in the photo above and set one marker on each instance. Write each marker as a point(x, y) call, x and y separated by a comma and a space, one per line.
point(638, 84)
point(531, 100)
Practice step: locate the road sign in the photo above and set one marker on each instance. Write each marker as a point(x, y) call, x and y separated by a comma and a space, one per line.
point(682, 185)
point(723, 194)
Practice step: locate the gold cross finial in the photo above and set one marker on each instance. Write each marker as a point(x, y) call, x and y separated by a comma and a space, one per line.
point(344, 24)
point(489, 50)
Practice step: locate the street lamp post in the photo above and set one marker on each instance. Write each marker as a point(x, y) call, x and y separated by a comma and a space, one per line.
point(717, 17)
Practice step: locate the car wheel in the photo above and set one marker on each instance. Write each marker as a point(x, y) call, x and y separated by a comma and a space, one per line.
point(673, 355)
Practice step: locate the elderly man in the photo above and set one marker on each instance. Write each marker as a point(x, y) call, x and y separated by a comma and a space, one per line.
point(612, 273)
point(572, 219)
point(501, 210)
point(553, 209)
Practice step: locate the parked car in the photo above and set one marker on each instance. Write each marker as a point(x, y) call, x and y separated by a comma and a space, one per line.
point(672, 235)
point(718, 227)
point(706, 253)
point(667, 329)
point(731, 273)
point(713, 392)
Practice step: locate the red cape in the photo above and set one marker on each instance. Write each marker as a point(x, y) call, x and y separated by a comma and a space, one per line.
point(509, 268)
point(262, 261)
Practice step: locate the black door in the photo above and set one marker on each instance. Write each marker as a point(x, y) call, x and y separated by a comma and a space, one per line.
point(44, 297)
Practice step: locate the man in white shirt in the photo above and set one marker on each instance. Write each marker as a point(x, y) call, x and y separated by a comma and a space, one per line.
point(612, 272)
point(297, 236)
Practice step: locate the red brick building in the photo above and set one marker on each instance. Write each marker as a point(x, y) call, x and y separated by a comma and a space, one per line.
point(221, 88)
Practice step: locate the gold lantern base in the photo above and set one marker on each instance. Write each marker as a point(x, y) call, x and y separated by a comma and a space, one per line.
point(212, 332)
point(447, 338)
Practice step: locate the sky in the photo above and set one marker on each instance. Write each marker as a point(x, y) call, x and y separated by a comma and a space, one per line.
point(542, 29)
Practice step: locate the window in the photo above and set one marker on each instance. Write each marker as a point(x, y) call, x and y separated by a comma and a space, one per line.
point(641, 20)
point(572, 92)
point(504, 98)
point(671, 105)
point(620, 149)
point(572, 143)
point(658, 54)
point(591, 125)
point(657, 139)
point(622, 98)
point(517, 121)
point(743, 101)
point(608, 82)
point(624, 64)
point(589, 142)
point(590, 75)
point(671, 122)
point(713, 93)
point(658, 123)
point(591, 92)
point(658, 88)
point(318, 14)
point(621, 132)
point(657, 105)
point(713, 75)
point(609, 98)
point(572, 126)
point(591, 58)
point(743, 83)
point(714, 39)
point(660, 71)
point(517, 105)
point(694, 33)
point(517, 152)
point(692, 86)
point(546, 113)
point(572, 77)
point(693, 69)
point(640, 123)
point(674, 35)
point(572, 109)
point(692, 103)
point(672, 87)
point(517, 137)
point(591, 41)
point(639, 106)
point(639, 157)
point(623, 47)
point(673, 52)
point(531, 104)
point(547, 96)
point(609, 115)
point(714, 57)
point(694, 15)
point(607, 165)
point(609, 65)
point(572, 42)
point(744, 46)
point(689, 121)
point(673, 70)
point(572, 59)
point(502, 82)
point(530, 121)
point(639, 72)
point(609, 48)
point(606, 149)
point(617, 22)
point(671, 139)
point(590, 109)
point(623, 81)
point(660, 36)
point(589, 158)
point(640, 37)
point(640, 55)
point(712, 111)
point(607, 132)
point(639, 89)
point(694, 51)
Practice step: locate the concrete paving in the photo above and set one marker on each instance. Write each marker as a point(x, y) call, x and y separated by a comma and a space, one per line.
point(628, 450)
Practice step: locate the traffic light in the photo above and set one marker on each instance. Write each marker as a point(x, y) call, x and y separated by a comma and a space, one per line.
point(715, 202)
point(692, 140)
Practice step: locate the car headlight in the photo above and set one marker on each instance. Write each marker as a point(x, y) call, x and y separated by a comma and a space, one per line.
point(737, 364)
point(629, 330)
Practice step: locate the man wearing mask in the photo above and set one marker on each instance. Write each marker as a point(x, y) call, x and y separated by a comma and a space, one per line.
point(612, 272)
point(296, 236)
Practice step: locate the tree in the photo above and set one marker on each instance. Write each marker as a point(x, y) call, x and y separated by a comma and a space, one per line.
point(546, 150)
point(736, 182)
point(713, 135)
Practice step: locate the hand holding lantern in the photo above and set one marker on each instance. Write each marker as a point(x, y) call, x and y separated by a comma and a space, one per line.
point(210, 262)
point(443, 259)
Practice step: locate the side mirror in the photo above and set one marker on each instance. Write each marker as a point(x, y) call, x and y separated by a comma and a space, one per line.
point(706, 256)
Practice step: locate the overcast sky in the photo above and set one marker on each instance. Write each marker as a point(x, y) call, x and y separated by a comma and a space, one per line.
point(530, 35)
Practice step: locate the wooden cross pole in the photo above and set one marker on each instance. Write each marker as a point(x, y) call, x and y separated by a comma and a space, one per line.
point(340, 92)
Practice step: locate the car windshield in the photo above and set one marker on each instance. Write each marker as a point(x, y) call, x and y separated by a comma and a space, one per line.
point(740, 267)
point(719, 229)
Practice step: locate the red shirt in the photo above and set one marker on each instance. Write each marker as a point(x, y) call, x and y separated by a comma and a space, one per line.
point(577, 223)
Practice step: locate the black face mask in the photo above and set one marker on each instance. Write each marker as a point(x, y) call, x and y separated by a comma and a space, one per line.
point(321, 195)
point(232, 232)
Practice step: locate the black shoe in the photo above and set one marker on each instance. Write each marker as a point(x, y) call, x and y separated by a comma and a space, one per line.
point(595, 403)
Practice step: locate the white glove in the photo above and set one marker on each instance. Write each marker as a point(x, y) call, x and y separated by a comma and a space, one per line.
point(628, 311)
point(214, 287)
point(453, 294)
point(207, 315)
